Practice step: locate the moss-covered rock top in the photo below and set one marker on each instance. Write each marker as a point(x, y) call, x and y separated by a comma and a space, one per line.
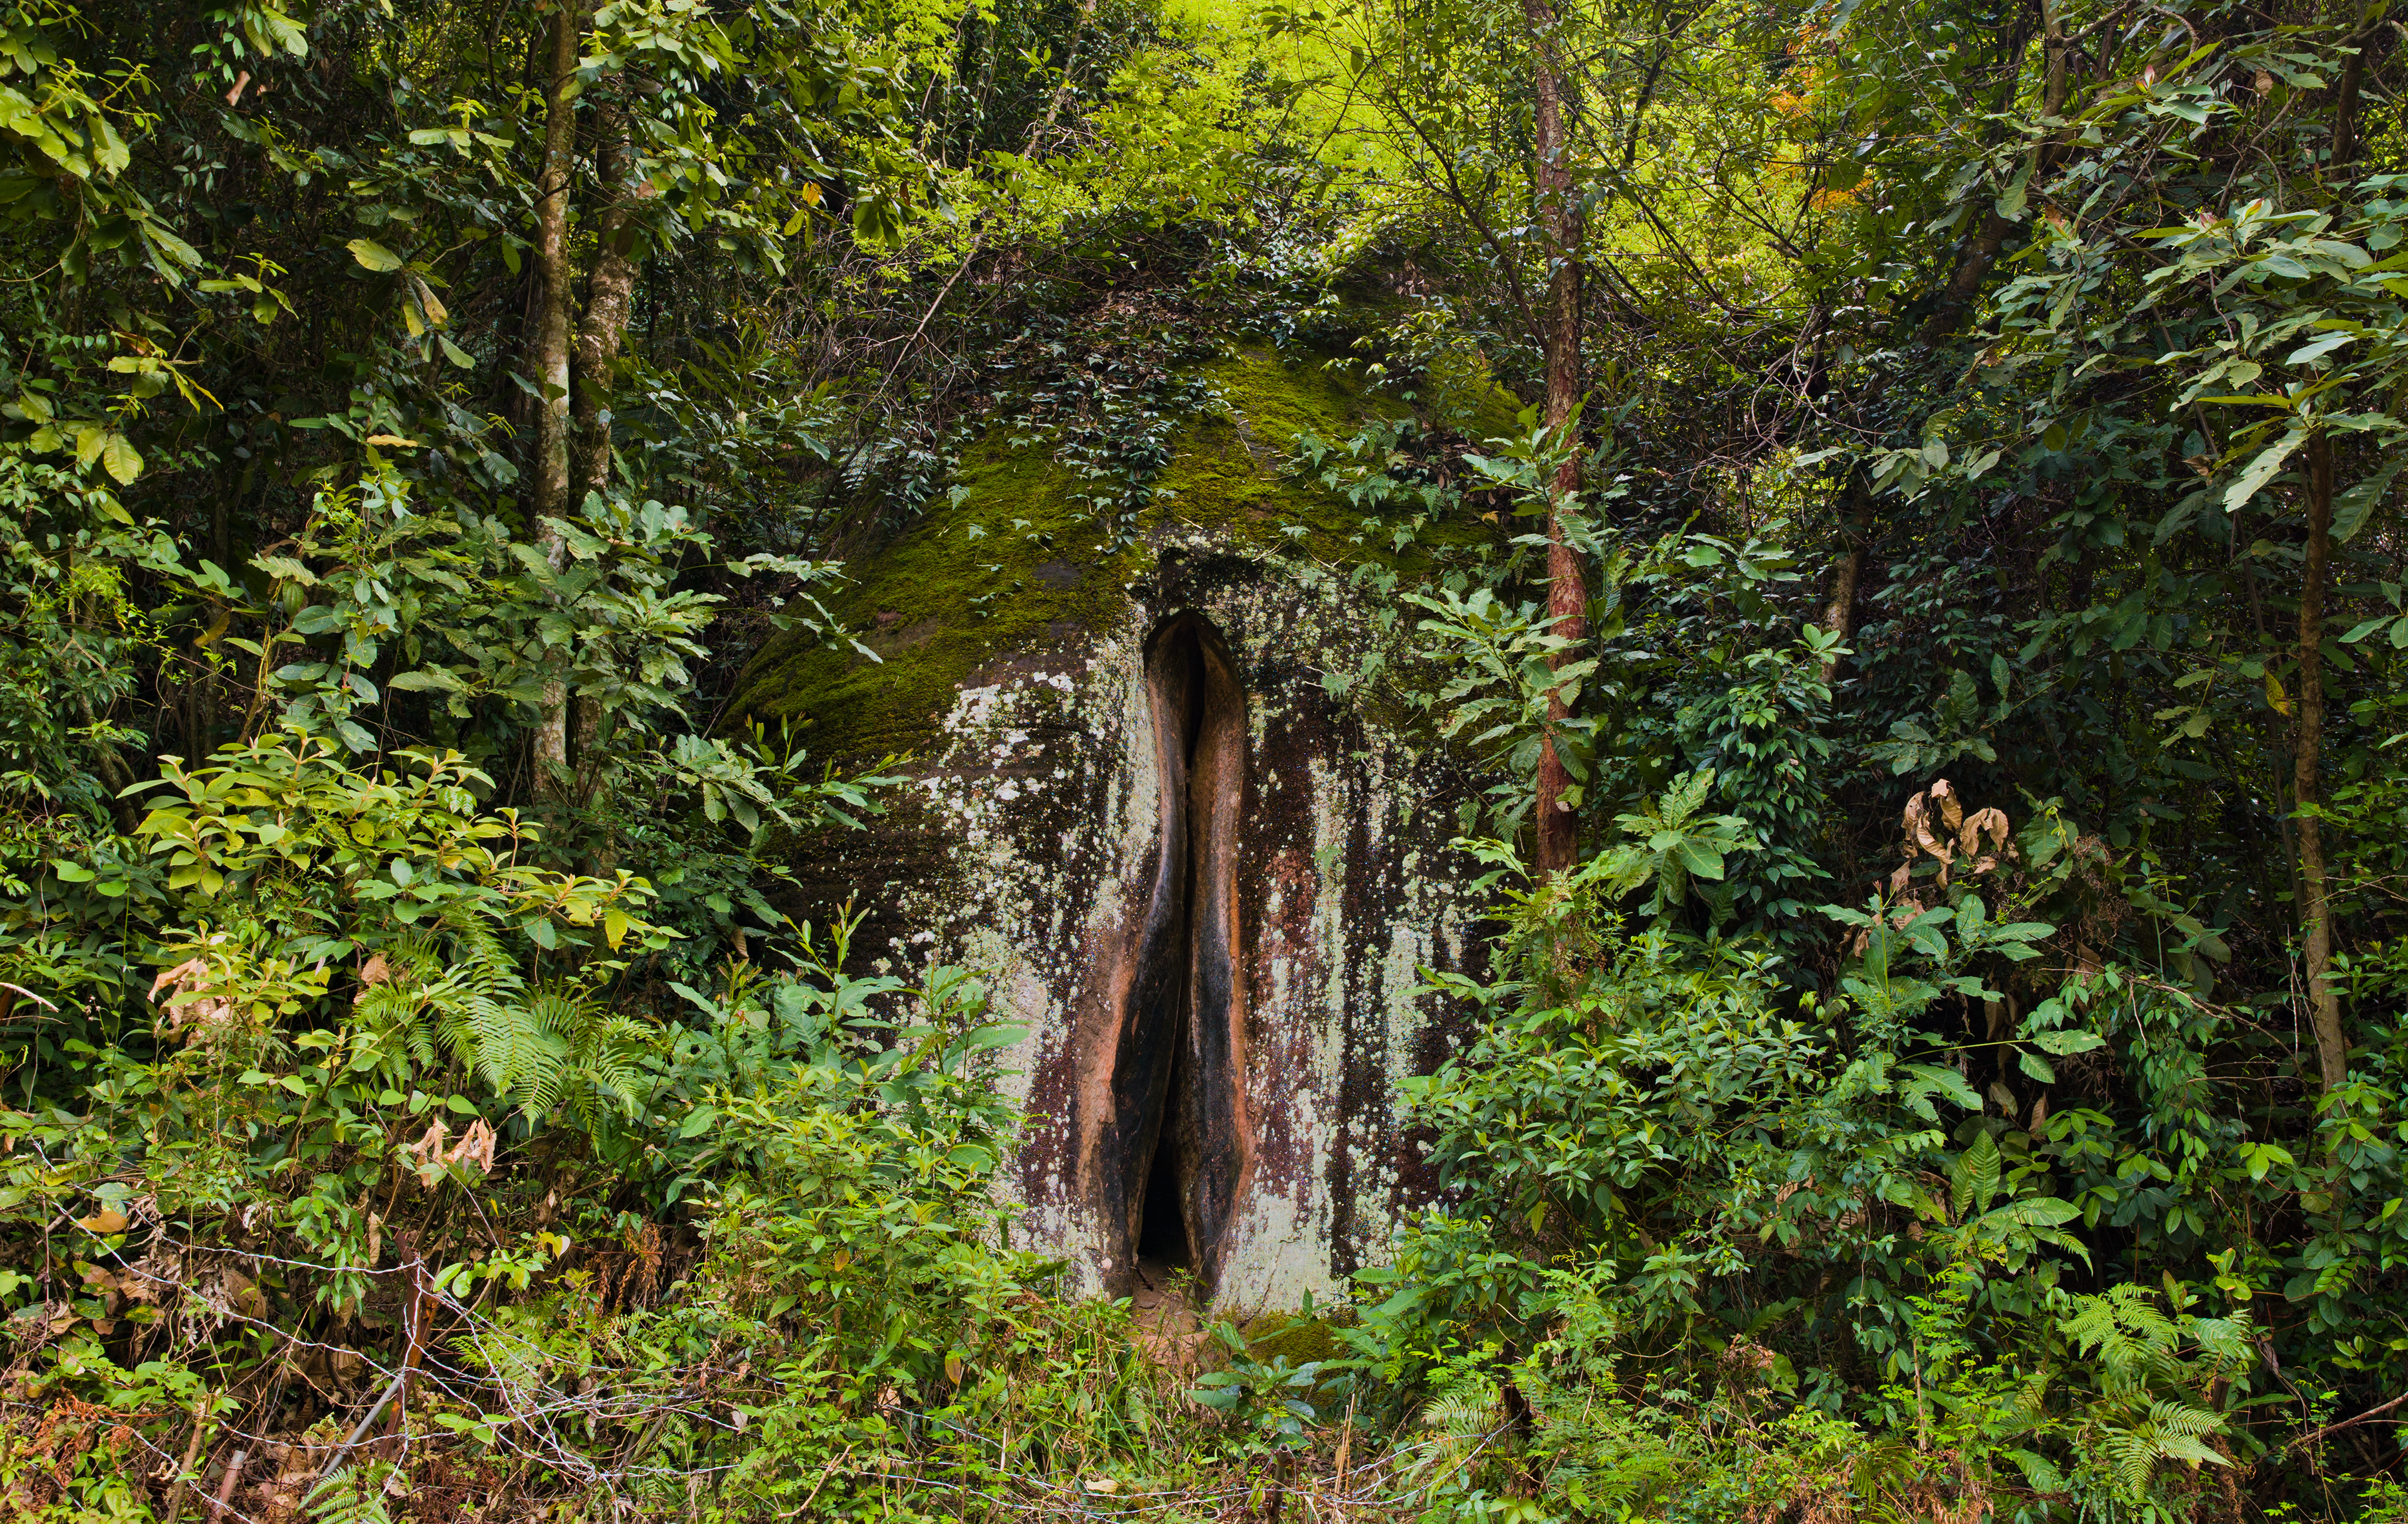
point(1013, 561)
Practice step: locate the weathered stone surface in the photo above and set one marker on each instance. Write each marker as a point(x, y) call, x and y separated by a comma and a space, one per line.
point(1203, 883)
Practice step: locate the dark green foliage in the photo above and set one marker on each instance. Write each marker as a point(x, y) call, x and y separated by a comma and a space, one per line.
point(1927, 1097)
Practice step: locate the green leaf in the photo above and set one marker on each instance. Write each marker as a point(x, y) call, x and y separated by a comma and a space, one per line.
point(1975, 1178)
point(2021, 931)
point(1926, 1080)
point(2351, 509)
point(373, 255)
point(2262, 470)
point(117, 456)
point(2034, 1211)
point(2011, 201)
point(1699, 858)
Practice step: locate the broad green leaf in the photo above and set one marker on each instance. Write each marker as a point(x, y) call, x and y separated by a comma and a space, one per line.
point(1699, 858)
point(117, 456)
point(2262, 470)
point(373, 255)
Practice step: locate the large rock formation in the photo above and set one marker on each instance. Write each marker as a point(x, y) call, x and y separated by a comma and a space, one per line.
point(1203, 880)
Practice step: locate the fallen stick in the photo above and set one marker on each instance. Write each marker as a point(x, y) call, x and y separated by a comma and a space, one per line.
point(224, 1498)
point(359, 1432)
point(192, 1453)
point(2378, 1411)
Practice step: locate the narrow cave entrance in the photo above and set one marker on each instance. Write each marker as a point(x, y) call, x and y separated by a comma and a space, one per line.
point(1183, 1122)
point(1162, 1245)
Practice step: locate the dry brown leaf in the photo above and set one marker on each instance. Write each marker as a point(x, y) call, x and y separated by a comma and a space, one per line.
point(1945, 794)
point(434, 1152)
point(191, 968)
point(205, 1016)
point(476, 1147)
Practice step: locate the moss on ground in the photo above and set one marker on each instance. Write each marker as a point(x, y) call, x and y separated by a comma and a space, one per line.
point(1011, 562)
point(1303, 1340)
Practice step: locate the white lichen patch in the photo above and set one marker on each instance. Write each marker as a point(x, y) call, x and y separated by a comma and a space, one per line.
point(1046, 800)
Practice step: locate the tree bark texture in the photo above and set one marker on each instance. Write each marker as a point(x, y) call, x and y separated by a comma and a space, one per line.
point(1560, 223)
point(1840, 609)
point(549, 355)
point(2324, 1004)
point(2353, 75)
point(607, 297)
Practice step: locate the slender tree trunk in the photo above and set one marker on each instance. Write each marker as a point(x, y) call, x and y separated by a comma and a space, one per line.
point(2282, 800)
point(1559, 222)
point(549, 355)
point(600, 332)
point(1840, 609)
point(2324, 1004)
point(607, 297)
point(2353, 75)
point(1990, 233)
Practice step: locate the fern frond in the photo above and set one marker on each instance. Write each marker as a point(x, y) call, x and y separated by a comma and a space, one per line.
point(351, 1496)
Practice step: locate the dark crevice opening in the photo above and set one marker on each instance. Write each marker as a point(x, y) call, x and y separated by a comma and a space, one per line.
point(1179, 1080)
point(1181, 680)
point(1162, 1234)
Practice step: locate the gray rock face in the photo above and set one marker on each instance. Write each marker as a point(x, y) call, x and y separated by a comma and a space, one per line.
point(1206, 886)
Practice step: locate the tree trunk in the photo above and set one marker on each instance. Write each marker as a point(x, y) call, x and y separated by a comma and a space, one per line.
point(547, 356)
point(2353, 75)
point(1990, 234)
point(605, 325)
point(2324, 1005)
point(1560, 223)
point(1839, 612)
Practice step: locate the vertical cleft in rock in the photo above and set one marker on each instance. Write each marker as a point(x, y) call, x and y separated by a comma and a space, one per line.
point(1174, 1157)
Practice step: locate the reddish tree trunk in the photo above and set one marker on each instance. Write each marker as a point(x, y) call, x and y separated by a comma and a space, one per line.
point(1560, 223)
point(2324, 1004)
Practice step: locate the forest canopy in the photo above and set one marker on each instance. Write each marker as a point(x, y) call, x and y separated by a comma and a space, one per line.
point(1894, 502)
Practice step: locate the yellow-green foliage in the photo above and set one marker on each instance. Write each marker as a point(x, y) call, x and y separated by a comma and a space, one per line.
point(1012, 563)
point(1302, 1339)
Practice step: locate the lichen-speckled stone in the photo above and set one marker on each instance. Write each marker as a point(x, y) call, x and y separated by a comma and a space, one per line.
point(1029, 837)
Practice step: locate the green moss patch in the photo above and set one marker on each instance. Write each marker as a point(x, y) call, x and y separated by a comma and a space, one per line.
point(1303, 1340)
point(1012, 563)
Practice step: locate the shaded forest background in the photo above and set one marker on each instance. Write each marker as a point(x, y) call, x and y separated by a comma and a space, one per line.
point(1935, 653)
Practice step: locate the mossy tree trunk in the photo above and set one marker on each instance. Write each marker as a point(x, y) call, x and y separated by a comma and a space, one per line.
point(549, 351)
point(1559, 222)
point(2316, 912)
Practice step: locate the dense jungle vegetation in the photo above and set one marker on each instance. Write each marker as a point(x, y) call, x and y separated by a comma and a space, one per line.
point(1933, 643)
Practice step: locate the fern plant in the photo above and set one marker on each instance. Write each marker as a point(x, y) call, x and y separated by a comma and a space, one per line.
point(2155, 1369)
point(536, 1045)
point(351, 1495)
